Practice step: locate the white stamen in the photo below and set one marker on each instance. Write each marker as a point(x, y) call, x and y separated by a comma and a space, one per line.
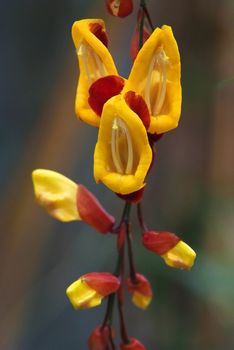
point(119, 128)
point(159, 63)
point(93, 65)
point(162, 61)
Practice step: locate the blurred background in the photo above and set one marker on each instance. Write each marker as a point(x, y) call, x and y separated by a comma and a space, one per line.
point(190, 190)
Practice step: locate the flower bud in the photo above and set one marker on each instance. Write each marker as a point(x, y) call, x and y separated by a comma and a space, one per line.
point(175, 252)
point(119, 8)
point(67, 201)
point(99, 338)
point(133, 345)
point(141, 291)
point(89, 290)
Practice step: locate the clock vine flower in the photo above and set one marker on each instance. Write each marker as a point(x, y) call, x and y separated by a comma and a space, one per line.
point(132, 115)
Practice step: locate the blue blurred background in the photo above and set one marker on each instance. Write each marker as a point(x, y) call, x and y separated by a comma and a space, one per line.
point(190, 190)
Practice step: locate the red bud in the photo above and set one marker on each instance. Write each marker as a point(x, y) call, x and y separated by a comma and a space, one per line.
point(142, 286)
point(159, 242)
point(119, 8)
point(103, 283)
point(134, 345)
point(92, 212)
point(99, 338)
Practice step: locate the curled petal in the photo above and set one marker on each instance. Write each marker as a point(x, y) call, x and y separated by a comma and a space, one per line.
point(123, 154)
point(133, 345)
point(95, 61)
point(92, 212)
point(56, 193)
point(155, 75)
point(119, 8)
point(141, 291)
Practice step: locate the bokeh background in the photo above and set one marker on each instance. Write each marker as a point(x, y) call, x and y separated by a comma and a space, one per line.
point(190, 190)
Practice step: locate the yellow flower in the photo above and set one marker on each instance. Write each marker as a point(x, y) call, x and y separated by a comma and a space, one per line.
point(95, 61)
point(149, 101)
point(56, 193)
point(155, 74)
point(122, 155)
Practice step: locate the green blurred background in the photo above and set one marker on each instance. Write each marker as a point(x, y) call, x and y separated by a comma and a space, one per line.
point(190, 190)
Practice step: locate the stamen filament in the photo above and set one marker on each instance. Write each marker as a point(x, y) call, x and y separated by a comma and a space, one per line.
point(119, 127)
point(162, 61)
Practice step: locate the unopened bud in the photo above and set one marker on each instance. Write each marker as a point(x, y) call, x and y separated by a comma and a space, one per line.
point(99, 338)
point(141, 291)
point(119, 8)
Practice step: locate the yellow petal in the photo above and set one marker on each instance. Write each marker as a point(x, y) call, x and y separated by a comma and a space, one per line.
point(180, 256)
point(122, 155)
point(156, 76)
point(56, 193)
point(95, 61)
point(82, 296)
point(140, 300)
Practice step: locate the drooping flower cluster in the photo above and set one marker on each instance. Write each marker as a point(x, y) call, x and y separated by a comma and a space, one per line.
point(131, 114)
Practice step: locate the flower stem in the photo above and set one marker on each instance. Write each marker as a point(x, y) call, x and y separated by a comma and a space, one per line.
point(140, 218)
point(130, 256)
point(146, 12)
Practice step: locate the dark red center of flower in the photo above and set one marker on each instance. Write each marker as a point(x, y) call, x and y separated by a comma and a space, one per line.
point(139, 106)
point(98, 31)
point(102, 90)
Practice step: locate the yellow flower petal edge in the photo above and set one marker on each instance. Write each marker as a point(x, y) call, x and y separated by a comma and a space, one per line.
point(82, 296)
point(156, 76)
point(56, 193)
point(95, 61)
point(122, 154)
point(140, 300)
point(181, 256)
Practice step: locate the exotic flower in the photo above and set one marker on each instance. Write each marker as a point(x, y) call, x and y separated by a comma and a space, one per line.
point(119, 8)
point(141, 291)
point(175, 252)
point(122, 155)
point(99, 338)
point(133, 345)
point(67, 201)
point(89, 290)
point(155, 75)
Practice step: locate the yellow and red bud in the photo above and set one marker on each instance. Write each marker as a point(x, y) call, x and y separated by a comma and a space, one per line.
point(92, 212)
point(89, 290)
point(175, 252)
point(141, 291)
point(99, 338)
point(119, 8)
point(66, 201)
point(133, 345)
